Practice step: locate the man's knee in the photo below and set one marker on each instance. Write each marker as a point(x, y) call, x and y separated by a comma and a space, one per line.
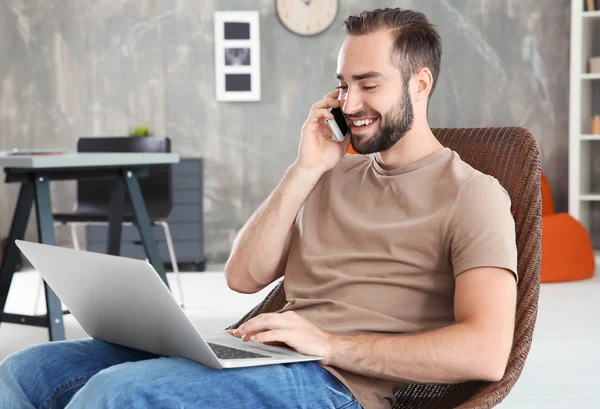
point(24, 362)
point(46, 366)
point(114, 387)
point(21, 383)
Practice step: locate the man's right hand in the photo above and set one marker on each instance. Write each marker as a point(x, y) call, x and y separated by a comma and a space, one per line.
point(317, 151)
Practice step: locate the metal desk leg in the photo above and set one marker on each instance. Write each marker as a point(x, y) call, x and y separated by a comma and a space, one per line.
point(11, 251)
point(143, 224)
point(46, 233)
point(115, 218)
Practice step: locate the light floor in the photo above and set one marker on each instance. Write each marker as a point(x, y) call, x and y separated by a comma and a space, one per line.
point(562, 370)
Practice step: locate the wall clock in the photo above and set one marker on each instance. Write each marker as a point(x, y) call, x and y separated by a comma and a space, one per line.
point(306, 17)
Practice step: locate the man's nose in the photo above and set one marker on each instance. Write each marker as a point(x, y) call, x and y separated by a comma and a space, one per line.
point(351, 104)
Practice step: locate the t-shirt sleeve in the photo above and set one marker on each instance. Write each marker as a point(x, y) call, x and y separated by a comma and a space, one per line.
point(481, 229)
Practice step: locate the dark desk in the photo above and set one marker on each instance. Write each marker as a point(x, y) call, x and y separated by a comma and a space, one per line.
point(34, 173)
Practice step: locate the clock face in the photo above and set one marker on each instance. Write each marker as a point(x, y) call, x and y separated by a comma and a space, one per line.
point(306, 17)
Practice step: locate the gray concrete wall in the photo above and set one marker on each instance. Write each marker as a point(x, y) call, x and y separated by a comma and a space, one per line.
point(80, 67)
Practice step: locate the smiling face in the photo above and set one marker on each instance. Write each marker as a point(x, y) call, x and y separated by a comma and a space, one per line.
point(374, 97)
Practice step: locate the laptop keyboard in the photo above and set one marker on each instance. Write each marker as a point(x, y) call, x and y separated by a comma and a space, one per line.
point(224, 352)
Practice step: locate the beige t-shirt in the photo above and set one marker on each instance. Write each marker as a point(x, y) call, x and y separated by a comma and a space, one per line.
point(376, 251)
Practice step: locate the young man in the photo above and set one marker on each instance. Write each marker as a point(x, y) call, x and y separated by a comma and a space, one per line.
point(399, 264)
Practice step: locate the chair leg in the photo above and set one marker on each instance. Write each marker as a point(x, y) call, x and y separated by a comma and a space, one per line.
point(73, 228)
point(173, 259)
point(38, 295)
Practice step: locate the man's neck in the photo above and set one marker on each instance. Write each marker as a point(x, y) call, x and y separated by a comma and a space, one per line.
point(418, 143)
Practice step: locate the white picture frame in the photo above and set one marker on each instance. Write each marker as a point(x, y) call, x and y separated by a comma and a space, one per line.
point(237, 55)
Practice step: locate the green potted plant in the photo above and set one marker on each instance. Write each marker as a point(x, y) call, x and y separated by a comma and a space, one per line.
point(141, 131)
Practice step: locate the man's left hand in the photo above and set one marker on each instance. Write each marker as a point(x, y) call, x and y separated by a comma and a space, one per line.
point(289, 328)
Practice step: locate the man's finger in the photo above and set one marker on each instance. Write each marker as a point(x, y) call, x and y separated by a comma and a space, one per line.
point(276, 335)
point(333, 94)
point(255, 319)
point(326, 103)
point(317, 114)
point(248, 334)
point(263, 322)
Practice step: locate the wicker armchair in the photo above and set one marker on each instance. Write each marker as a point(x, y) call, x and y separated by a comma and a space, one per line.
point(511, 155)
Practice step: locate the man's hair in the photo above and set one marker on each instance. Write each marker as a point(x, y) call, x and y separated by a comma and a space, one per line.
point(417, 43)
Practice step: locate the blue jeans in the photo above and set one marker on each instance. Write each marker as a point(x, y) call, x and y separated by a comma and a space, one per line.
point(92, 374)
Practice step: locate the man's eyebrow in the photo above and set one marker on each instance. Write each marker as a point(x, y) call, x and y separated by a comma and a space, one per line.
point(364, 76)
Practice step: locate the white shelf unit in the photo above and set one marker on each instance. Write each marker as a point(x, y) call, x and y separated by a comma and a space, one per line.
point(584, 193)
point(588, 14)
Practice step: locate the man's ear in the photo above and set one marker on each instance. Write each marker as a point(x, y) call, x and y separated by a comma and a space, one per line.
point(424, 81)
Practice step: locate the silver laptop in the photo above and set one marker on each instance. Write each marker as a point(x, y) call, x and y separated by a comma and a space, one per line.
point(124, 301)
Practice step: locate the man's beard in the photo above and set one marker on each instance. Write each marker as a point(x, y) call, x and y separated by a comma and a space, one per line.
point(392, 127)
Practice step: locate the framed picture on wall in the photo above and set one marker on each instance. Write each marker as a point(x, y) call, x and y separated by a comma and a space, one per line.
point(237, 55)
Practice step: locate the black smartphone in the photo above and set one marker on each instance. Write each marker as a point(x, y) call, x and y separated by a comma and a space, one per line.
point(338, 125)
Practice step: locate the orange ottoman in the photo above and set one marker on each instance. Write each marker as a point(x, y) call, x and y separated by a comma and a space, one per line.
point(567, 252)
